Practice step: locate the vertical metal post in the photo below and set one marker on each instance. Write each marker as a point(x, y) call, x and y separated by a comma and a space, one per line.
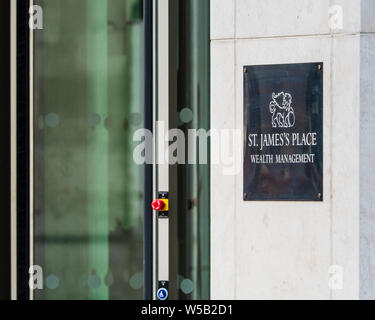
point(23, 150)
point(31, 144)
point(148, 169)
point(13, 125)
point(4, 157)
point(161, 144)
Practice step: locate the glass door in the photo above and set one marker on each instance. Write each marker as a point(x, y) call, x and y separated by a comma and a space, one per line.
point(84, 87)
point(89, 97)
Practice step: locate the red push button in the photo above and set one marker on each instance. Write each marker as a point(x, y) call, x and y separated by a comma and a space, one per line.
point(158, 205)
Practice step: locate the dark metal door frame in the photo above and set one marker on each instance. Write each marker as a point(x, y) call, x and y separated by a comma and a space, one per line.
point(23, 150)
point(5, 220)
point(148, 168)
point(23, 224)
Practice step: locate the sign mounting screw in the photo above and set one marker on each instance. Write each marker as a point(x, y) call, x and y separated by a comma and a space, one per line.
point(244, 69)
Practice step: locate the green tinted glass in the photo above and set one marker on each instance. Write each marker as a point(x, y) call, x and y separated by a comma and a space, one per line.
point(88, 101)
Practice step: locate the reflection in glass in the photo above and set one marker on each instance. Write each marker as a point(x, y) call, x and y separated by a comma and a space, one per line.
point(192, 217)
point(88, 81)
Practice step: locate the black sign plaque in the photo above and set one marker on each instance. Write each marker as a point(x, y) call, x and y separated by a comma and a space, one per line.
point(283, 132)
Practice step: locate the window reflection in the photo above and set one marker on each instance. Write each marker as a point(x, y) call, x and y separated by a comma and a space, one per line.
point(190, 254)
point(88, 84)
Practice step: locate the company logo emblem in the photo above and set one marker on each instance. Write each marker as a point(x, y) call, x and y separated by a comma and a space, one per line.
point(281, 110)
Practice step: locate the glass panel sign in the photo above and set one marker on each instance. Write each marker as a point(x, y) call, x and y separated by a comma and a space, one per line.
point(283, 127)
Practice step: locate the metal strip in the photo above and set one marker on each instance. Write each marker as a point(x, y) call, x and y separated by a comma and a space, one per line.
point(163, 121)
point(23, 151)
point(13, 148)
point(31, 145)
point(148, 124)
point(163, 231)
point(5, 127)
point(154, 167)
